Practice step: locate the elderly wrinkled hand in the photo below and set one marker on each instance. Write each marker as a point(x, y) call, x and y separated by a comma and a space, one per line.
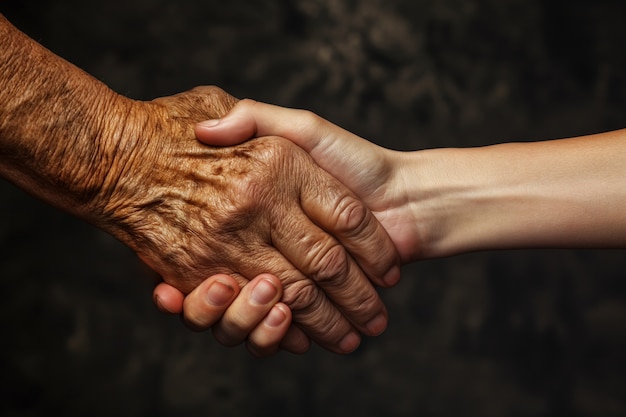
point(191, 211)
point(135, 170)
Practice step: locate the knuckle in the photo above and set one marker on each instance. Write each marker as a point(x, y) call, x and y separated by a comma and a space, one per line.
point(218, 101)
point(236, 331)
point(230, 331)
point(274, 150)
point(329, 263)
point(350, 215)
point(224, 339)
point(241, 205)
point(261, 345)
point(209, 90)
point(322, 328)
point(365, 305)
point(246, 191)
point(302, 295)
point(246, 104)
point(195, 320)
point(310, 309)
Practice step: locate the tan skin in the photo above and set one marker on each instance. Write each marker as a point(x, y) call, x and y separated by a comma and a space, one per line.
point(135, 170)
point(234, 316)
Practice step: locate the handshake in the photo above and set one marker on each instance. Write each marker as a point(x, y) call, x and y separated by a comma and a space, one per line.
point(315, 227)
point(272, 225)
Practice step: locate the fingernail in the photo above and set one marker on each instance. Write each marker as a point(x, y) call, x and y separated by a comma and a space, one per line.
point(209, 123)
point(377, 325)
point(219, 294)
point(276, 317)
point(392, 276)
point(350, 342)
point(263, 292)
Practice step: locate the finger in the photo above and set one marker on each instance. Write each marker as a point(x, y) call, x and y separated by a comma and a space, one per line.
point(321, 320)
point(312, 310)
point(168, 299)
point(206, 304)
point(340, 213)
point(334, 274)
point(295, 341)
point(265, 339)
point(333, 148)
point(270, 335)
point(250, 308)
point(230, 130)
point(250, 118)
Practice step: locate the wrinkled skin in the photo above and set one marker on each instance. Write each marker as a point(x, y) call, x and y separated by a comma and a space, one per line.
point(191, 211)
point(135, 170)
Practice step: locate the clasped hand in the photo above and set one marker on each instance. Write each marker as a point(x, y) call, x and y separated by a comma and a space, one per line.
point(191, 211)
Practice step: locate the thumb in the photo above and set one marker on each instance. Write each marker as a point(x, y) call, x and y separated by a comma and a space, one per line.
point(234, 128)
point(250, 119)
point(357, 163)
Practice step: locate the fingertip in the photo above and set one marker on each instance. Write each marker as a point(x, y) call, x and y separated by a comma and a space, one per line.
point(349, 343)
point(159, 304)
point(279, 315)
point(208, 132)
point(377, 325)
point(168, 299)
point(392, 277)
point(232, 129)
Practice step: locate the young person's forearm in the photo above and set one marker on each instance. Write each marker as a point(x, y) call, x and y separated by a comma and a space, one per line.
point(559, 194)
point(56, 123)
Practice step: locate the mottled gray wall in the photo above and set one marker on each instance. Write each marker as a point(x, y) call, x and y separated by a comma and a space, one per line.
point(511, 333)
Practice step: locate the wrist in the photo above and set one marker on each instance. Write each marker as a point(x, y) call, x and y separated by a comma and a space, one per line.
point(425, 199)
point(448, 191)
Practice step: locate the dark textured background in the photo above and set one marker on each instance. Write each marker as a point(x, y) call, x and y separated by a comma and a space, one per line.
point(510, 333)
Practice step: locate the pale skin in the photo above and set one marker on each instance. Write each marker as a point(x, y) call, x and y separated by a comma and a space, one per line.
point(135, 170)
point(565, 193)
